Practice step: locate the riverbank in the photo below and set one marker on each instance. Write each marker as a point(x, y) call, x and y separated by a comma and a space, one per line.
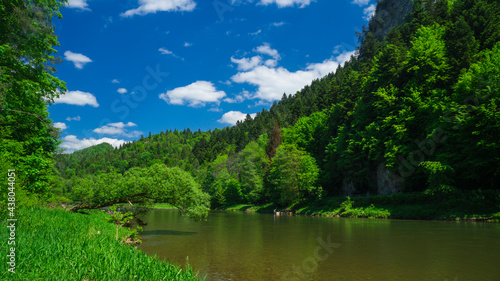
point(466, 206)
point(54, 244)
point(164, 206)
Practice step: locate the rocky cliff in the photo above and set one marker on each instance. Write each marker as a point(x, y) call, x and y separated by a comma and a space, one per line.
point(389, 13)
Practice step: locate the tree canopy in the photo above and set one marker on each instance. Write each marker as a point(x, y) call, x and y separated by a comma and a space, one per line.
point(416, 109)
point(27, 84)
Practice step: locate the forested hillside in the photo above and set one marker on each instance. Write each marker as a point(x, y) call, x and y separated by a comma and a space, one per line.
point(416, 110)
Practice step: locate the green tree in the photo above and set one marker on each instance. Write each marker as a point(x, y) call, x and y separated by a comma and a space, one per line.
point(253, 163)
point(232, 192)
point(293, 175)
point(27, 58)
point(472, 121)
point(461, 45)
point(426, 59)
point(157, 183)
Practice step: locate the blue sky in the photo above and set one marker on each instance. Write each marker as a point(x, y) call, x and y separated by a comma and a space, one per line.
point(139, 66)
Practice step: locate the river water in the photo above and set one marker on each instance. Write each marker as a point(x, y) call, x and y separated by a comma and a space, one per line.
point(251, 246)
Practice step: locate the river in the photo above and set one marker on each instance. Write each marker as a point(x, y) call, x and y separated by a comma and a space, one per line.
point(251, 246)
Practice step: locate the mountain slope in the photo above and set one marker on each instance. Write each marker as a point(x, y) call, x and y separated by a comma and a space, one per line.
point(416, 110)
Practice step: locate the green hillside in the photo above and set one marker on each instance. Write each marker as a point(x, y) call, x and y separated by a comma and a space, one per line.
point(415, 111)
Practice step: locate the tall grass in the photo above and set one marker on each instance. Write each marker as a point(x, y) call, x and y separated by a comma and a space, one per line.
point(59, 245)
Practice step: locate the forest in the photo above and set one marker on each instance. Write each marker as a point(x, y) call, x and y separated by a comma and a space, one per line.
point(416, 110)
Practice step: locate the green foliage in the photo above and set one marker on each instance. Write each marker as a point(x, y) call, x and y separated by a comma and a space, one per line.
point(293, 175)
point(27, 137)
point(253, 165)
point(158, 183)
point(309, 134)
point(472, 120)
point(124, 219)
point(232, 193)
point(426, 59)
point(438, 174)
point(346, 209)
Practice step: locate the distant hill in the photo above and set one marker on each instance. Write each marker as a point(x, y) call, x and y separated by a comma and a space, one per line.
point(92, 150)
point(89, 154)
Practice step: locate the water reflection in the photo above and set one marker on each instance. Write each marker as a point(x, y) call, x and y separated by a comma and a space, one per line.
point(166, 232)
point(241, 246)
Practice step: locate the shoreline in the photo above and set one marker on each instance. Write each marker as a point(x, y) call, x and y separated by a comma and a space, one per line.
point(484, 207)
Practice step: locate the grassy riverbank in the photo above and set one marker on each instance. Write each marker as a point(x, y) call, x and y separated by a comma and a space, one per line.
point(473, 205)
point(164, 206)
point(54, 244)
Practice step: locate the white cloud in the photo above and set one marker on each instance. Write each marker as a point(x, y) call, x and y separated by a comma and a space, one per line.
point(123, 125)
point(272, 82)
point(361, 2)
point(236, 99)
point(78, 4)
point(344, 56)
point(77, 98)
point(78, 60)
point(287, 3)
point(195, 94)
point(115, 81)
point(164, 51)
point(215, 109)
point(232, 117)
point(267, 50)
point(118, 129)
point(122, 90)
point(77, 118)
point(71, 143)
point(187, 44)
point(153, 6)
point(271, 63)
point(246, 64)
point(60, 125)
point(277, 24)
point(256, 32)
point(369, 11)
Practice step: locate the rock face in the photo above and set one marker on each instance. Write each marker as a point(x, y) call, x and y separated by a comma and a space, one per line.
point(348, 188)
point(388, 14)
point(385, 183)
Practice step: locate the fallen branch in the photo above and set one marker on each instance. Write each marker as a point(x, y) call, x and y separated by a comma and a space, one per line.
point(128, 199)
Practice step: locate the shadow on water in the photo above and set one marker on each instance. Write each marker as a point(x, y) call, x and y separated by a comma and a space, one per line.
point(167, 232)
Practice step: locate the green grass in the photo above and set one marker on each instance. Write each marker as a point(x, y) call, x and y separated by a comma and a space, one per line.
point(237, 207)
point(164, 206)
point(250, 208)
point(54, 244)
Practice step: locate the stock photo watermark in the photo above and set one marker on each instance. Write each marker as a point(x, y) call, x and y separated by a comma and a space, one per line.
point(11, 221)
point(427, 147)
point(223, 6)
point(139, 93)
point(310, 264)
point(128, 101)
